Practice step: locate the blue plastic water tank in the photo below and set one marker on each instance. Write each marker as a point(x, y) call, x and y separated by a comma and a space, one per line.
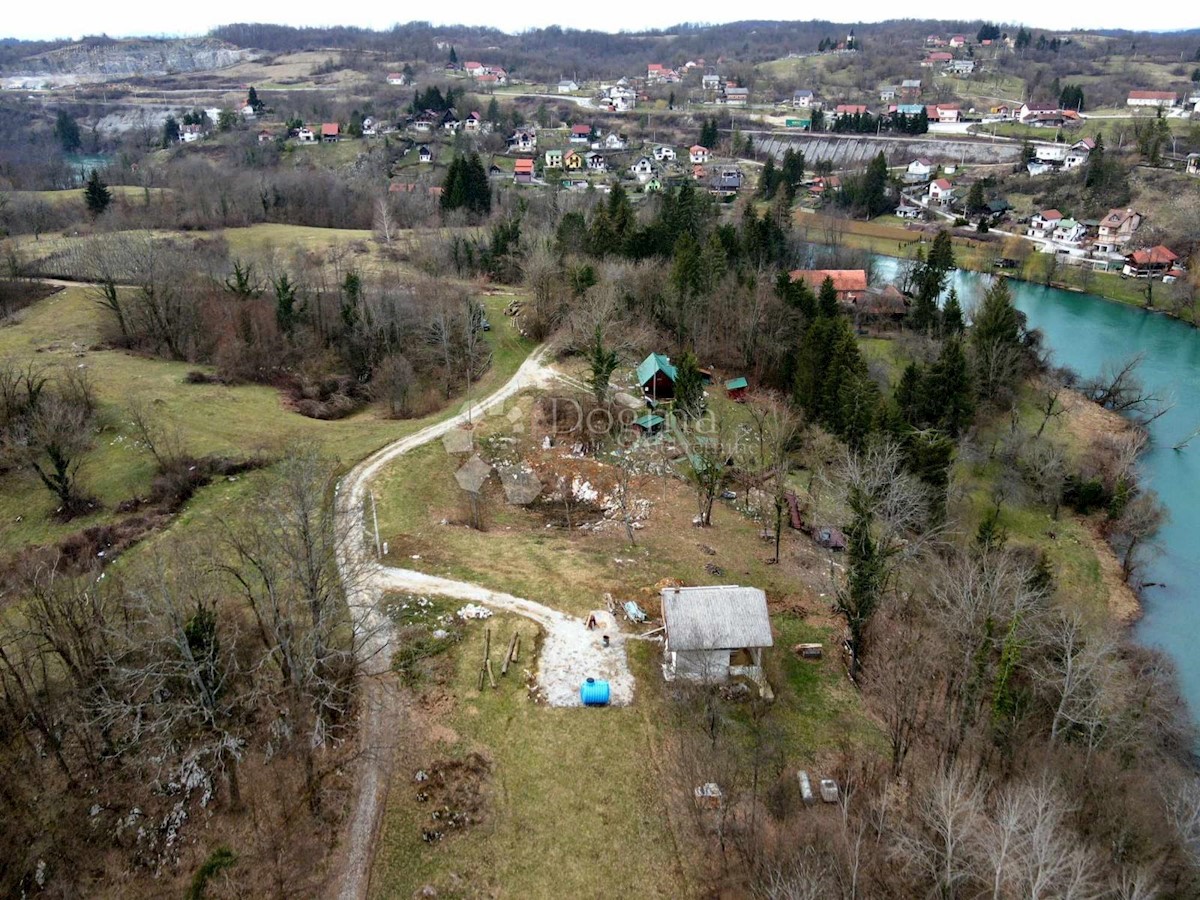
point(594, 693)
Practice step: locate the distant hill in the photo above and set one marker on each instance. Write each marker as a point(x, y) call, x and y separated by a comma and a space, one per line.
point(142, 56)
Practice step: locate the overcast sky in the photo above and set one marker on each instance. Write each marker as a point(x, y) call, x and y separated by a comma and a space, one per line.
point(74, 18)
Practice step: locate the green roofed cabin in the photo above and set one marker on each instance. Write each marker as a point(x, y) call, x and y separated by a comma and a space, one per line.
point(649, 424)
point(656, 375)
point(736, 389)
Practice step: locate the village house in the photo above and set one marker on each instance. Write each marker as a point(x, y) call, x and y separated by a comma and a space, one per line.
point(735, 96)
point(580, 133)
point(1070, 232)
point(656, 73)
point(523, 171)
point(726, 182)
point(710, 82)
point(523, 142)
point(961, 67)
point(920, 169)
point(330, 132)
point(958, 40)
point(572, 161)
point(642, 170)
point(943, 113)
point(941, 191)
point(935, 40)
point(306, 135)
point(663, 154)
point(1042, 224)
point(713, 633)
point(451, 122)
point(554, 159)
point(397, 78)
point(191, 133)
point(656, 376)
point(850, 284)
point(803, 99)
point(595, 162)
point(849, 109)
point(888, 93)
point(910, 89)
point(907, 210)
point(736, 389)
point(1050, 153)
point(473, 122)
point(1161, 99)
point(1116, 230)
point(884, 304)
point(424, 154)
point(567, 86)
point(612, 141)
point(698, 154)
point(1156, 261)
point(1079, 153)
point(939, 58)
point(474, 68)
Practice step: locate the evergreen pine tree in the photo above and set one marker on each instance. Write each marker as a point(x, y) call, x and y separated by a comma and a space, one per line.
point(689, 387)
point(952, 316)
point(949, 396)
point(66, 129)
point(910, 395)
point(827, 298)
point(170, 134)
point(995, 342)
point(96, 194)
point(766, 183)
point(493, 111)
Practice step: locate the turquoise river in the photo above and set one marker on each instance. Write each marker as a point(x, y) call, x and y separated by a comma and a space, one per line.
point(1084, 332)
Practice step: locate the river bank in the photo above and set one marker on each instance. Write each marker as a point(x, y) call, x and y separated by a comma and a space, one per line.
point(1088, 422)
point(892, 238)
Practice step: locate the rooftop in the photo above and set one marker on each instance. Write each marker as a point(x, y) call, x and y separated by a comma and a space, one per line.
point(716, 618)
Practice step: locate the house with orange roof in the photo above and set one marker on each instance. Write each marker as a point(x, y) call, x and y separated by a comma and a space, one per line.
point(850, 284)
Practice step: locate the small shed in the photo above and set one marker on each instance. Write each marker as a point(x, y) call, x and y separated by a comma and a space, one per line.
point(649, 424)
point(736, 389)
point(656, 375)
point(715, 632)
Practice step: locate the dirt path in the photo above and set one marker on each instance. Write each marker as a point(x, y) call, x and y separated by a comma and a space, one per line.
point(570, 650)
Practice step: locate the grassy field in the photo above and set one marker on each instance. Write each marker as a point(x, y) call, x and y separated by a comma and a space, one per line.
point(64, 329)
point(572, 805)
point(587, 803)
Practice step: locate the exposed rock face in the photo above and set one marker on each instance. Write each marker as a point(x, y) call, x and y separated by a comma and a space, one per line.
point(136, 57)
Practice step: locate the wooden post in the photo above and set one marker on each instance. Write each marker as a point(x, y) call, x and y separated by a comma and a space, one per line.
point(512, 644)
point(487, 644)
point(491, 677)
point(482, 671)
point(516, 652)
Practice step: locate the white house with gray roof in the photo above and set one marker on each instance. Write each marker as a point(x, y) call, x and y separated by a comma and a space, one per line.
point(715, 632)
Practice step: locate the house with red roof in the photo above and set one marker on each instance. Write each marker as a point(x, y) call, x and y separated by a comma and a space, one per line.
point(581, 133)
point(849, 109)
point(1149, 263)
point(697, 154)
point(937, 58)
point(1162, 99)
point(330, 132)
point(1042, 225)
point(941, 191)
point(523, 171)
point(850, 284)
